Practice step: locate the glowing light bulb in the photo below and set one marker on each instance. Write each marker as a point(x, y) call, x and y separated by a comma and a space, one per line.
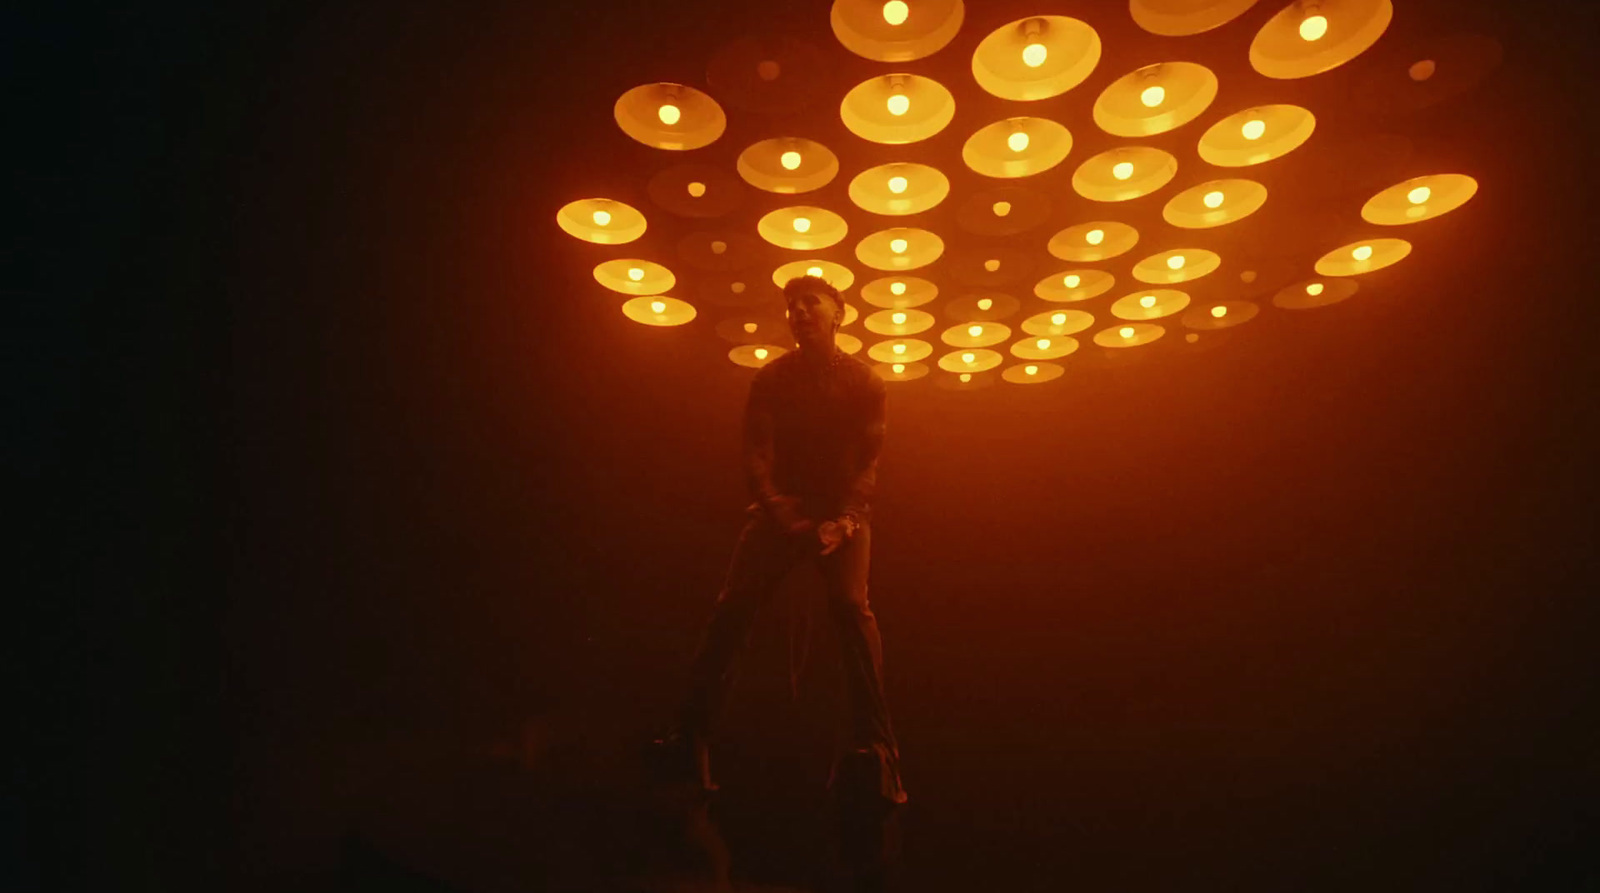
point(898, 318)
point(1253, 129)
point(1153, 96)
point(790, 160)
point(991, 264)
point(802, 224)
point(1419, 195)
point(1095, 236)
point(898, 348)
point(897, 288)
point(697, 189)
point(898, 185)
point(1314, 289)
point(974, 331)
point(601, 218)
point(1213, 199)
point(719, 247)
point(1313, 27)
point(1362, 253)
point(895, 12)
point(737, 288)
point(1001, 209)
point(750, 327)
point(985, 303)
point(1031, 369)
point(966, 377)
point(635, 274)
point(899, 368)
point(969, 358)
point(814, 271)
point(658, 307)
point(898, 246)
point(1126, 332)
point(761, 353)
point(1122, 170)
point(1017, 141)
point(1034, 54)
point(1176, 262)
point(1059, 319)
point(669, 114)
point(1044, 343)
point(1219, 311)
point(1147, 301)
point(1071, 280)
point(899, 104)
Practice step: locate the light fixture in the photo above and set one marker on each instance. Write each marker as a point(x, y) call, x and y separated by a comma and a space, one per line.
point(1147, 301)
point(1122, 170)
point(897, 288)
point(1313, 27)
point(1001, 209)
point(1314, 289)
point(974, 331)
point(1253, 129)
point(814, 271)
point(1175, 262)
point(1017, 141)
point(898, 185)
point(991, 264)
point(895, 12)
point(1153, 96)
point(601, 218)
point(1071, 280)
point(1419, 195)
point(1034, 54)
point(1031, 369)
point(737, 288)
point(1213, 199)
point(802, 224)
point(790, 160)
point(1219, 311)
point(1044, 343)
point(1059, 319)
point(985, 303)
point(898, 246)
point(719, 247)
point(1362, 252)
point(669, 114)
point(899, 318)
point(635, 273)
point(898, 348)
point(898, 104)
point(966, 377)
point(1126, 331)
point(658, 307)
point(969, 358)
point(761, 353)
point(1094, 237)
point(750, 327)
point(898, 368)
point(697, 189)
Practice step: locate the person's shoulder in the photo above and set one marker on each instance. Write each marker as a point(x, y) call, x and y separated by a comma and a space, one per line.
point(864, 374)
point(773, 369)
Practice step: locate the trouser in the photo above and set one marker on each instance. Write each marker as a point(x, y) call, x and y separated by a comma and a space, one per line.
point(763, 557)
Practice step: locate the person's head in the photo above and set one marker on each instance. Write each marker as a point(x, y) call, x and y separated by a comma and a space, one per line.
point(815, 311)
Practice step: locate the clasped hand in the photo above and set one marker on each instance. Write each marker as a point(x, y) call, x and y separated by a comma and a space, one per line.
point(786, 513)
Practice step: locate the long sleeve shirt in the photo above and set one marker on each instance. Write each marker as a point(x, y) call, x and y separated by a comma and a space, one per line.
point(815, 433)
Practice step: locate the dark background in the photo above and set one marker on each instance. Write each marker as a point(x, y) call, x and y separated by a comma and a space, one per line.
point(333, 465)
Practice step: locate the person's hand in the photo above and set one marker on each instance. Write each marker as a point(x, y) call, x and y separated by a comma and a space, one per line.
point(785, 512)
point(832, 535)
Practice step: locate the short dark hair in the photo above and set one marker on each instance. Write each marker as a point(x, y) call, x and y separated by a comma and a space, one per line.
point(811, 284)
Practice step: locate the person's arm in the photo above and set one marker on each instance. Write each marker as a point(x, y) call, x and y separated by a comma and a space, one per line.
point(758, 459)
point(869, 443)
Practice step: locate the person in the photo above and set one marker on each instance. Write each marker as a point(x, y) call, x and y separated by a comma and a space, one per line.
point(813, 430)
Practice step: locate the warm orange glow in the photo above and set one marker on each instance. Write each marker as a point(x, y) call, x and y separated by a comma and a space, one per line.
point(750, 327)
point(1253, 129)
point(814, 271)
point(1314, 289)
point(1094, 237)
point(1126, 332)
point(991, 265)
point(1122, 170)
point(601, 218)
point(737, 288)
point(1362, 252)
point(898, 185)
point(1044, 343)
point(898, 348)
point(761, 353)
point(898, 246)
point(968, 357)
point(669, 114)
point(1059, 319)
point(898, 368)
point(1219, 311)
point(985, 303)
point(974, 331)
point(802, 224)
point(1153, 96)
point(897, 288)
point(1213, 199)
point(697, 189)
point(1313, 27)
point(1423, 70)
point(1175, 262)
point(1071, 280)
point(790, 160)
point(899, 318)
point(899, 104)
point(1034, 54)
point(1031, 369)
point(1147, 301)
point(719, 247)
point(1017, 141)
point(966, 377)
point(895, 12)
point(635, 274)
point(658, 307)
point(1001, 209)
point(1419, 195)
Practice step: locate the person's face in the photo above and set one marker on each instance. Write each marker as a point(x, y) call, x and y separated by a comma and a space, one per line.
point(811, 318)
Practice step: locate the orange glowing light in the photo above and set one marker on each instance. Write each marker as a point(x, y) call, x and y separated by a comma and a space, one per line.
point(985, 303)
point(814, 271)
point(1034, 54)
point(899, 319)
point(969, 358)
point(1219, 311)
point(719, 247)
point(761, 353)
point(1313, 27)
point(1147, 301)
point(1017, 141)
point(1059, 319)
point(737, 288)
point(1419, 195)
point(1314, 289)
point(635, 274)
point(1031, 369)
point(1176, 262)
point(899, 368)
point(898, 348)
point(897, 288)
point(966, 377)
point(790, 160)
point(1253, 129)
point(1126, 332)
point(895, 12)
point(802, 224)
point(1122, 170)
point(1153, 96)
point(1044, 343)
point(658, 307)
point(898, 185)
point(991, 264)
point(697, 189)
point(898, 246)
point(1362, 252)
point(1094, 237)
point(669, 114)
point(601, 218)
point(974, 331)
point(1071, 280)
point(750, 327)
point(1001, 209)
point(898, 104)
point(1213, 199)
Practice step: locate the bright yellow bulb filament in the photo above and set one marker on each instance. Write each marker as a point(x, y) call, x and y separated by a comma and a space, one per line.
point(1095, 237)
point(898, 348)
point(1219, 311)
point(1127, 332)
point(750, 327)
point(969, 358)
point(601, 218)
point(1017, 141)
point(658, 307)
point(669, 114)
point(898, 246)
point(1153, 96)
point(897, 288)
point(1071, 280)
point(974, 331)
point(1034, 54)
point(966, 377)
point(898, 185)
point(789, 160)
point(1122, 170)
point(1044, 343)
point(899, 319)
point(635, 274)
point(814, 271)
point(697, 189)
point(985, 303)
point(1001, 209)
point(899, 104)
point(895, 12)
point(991, 264)
point(1253, 129)
point(802, 224)
point(1314, 289)
point(761, 353)
point(899, 368)
point(1362, 253)
point(1147, 301)
point(1031, 369)
point(1213, 199)
point(1059, 319)
point(1313, 27)
point(1176, 262)
point(1419, 195)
